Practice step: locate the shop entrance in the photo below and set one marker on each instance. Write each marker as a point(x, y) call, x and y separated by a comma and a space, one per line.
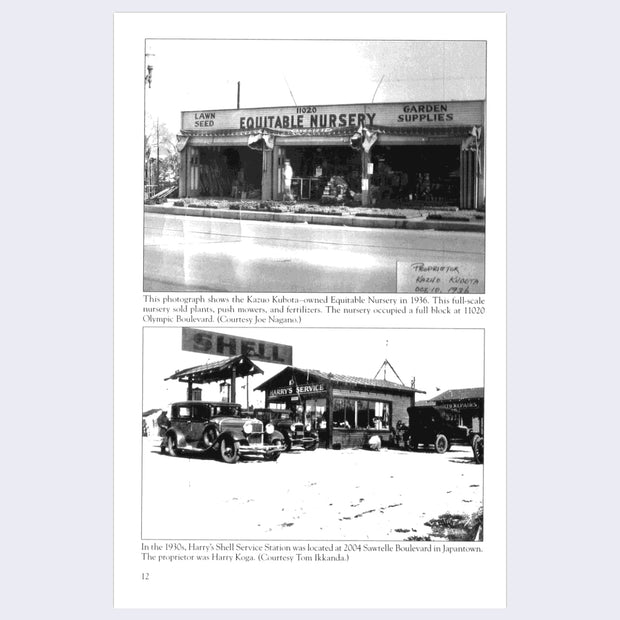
point(316, 167)
point(417, 174)
point(234, 172)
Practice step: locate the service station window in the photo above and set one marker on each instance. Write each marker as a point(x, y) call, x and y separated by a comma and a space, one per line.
point(361, 414)
point(315, 413)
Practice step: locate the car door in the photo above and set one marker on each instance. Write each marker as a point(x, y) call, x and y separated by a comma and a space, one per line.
point(181, 419)
point(200, 415)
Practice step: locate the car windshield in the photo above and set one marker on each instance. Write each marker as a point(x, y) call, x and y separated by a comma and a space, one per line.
point(228, 410)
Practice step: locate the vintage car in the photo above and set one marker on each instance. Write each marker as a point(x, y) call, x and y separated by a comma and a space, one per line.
point(222, 428)
point(297, 436)
point(434, 426)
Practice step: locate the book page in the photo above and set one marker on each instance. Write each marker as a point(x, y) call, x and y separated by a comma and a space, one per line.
point(310, 303)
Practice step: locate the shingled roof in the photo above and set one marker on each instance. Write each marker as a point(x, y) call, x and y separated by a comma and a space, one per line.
point(341, 380)
point(461, 394)
point(217, 371)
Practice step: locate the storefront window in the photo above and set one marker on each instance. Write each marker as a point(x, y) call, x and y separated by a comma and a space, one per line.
point(361, 414)
point(338, 416)
point(315, 412)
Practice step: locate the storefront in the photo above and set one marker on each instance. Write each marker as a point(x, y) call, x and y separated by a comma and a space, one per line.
point(468, 406)
point(346, 411)
point(370, 154)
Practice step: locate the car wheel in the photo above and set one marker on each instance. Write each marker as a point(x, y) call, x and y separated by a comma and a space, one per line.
point(478, 449)
point(441, 444)
point(412, 443)
point(312, 446)
point(277, 442)
point(209, 437)
point(229, 450)
point(171, 444)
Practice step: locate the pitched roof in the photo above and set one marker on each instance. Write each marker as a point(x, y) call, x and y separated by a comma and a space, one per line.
point(217, 371)
point(338, 379)
point(460, 394)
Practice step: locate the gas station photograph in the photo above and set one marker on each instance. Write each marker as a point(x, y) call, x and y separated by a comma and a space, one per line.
point(314, 165)
point(313, 434)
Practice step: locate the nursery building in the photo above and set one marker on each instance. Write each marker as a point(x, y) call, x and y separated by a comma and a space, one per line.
point(423, 153)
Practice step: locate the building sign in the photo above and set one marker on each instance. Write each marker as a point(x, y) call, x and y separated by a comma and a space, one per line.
point(290, 390)
point(459, 405)
point(429, 114)
point(213, 343)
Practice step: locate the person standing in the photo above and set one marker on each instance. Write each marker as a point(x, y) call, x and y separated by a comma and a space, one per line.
point(288, 178)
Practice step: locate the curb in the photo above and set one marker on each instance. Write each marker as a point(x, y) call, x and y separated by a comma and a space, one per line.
point(329, 220)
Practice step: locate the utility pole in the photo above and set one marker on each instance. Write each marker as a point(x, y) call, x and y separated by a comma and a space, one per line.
point(157, 166)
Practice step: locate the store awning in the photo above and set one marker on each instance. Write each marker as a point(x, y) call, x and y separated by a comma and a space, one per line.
point(241, 365)
point(448, 130)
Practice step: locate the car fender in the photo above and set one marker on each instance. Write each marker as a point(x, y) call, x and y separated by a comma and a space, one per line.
point(276, 435)
point(234, 436)
point(179, 436)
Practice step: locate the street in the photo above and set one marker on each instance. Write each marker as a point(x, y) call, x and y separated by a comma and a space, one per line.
point(203, 254)
point(323, 495)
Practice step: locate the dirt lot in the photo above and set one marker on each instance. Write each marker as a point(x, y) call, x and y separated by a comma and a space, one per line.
point(322, 495)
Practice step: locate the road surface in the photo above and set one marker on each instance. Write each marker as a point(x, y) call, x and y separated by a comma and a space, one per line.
point(322, 495)
point(184, 253)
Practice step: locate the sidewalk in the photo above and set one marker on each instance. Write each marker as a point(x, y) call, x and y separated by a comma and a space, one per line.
point(306, 213)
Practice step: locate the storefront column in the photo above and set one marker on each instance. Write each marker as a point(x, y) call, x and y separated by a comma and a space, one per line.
point(329, 402)
point(233, 386)
point(266, 183)
point(365, 178)
point(183, 173)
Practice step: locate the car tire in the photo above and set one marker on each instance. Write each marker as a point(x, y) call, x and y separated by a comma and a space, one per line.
point(478, 449)
point(229, 450)
point(209, 437)
point(171, 445)
point(412, 443)
point(274, 456)
point(441, 444)
point(312, 447)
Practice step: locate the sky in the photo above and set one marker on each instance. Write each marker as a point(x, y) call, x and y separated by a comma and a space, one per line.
point(439, 359)
point(203, 74)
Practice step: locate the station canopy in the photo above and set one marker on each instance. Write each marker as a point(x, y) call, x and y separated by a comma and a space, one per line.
point(237, 366)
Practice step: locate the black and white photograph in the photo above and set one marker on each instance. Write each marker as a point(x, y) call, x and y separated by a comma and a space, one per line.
point(326, 165)
point(313, 434)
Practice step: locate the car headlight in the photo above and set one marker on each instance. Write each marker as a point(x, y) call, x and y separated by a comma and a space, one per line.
point(293, 427)
point(247, 428)
point(308, 427)
point(269, 428)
